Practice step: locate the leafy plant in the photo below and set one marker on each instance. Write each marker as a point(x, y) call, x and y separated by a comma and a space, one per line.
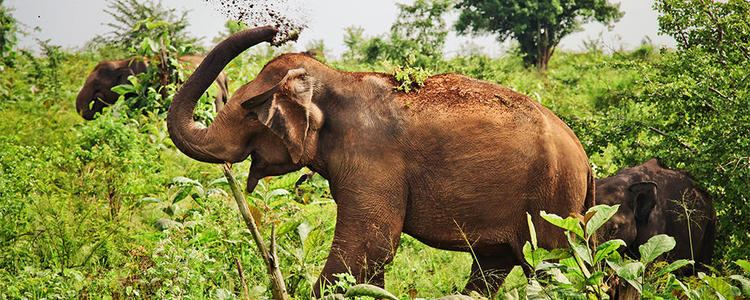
point(409, 78)
point(8, 35)
point(584, 267)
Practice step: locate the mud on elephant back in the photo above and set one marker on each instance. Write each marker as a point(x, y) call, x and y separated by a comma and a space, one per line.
point(457, 165)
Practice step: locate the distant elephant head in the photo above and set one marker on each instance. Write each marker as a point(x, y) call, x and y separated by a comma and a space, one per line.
point(637, 219)
point(97, 92)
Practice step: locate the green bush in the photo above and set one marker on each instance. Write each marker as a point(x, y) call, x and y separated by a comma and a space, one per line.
point(8, 35)
point(688, 111)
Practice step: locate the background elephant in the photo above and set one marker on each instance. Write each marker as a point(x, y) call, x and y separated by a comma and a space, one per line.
point(652, 201)
point(456, 165)
point(97, 93)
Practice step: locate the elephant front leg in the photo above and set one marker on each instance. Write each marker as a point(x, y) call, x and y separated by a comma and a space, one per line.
point(367, 235)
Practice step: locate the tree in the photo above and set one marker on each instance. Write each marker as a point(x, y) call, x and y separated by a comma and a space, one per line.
point(692, 112)
point(132, 20)
point(8, 35)
point(420, 29)
point(538, 26)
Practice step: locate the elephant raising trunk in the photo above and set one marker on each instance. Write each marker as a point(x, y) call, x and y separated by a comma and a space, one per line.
point(457, 166)
point(203, 143)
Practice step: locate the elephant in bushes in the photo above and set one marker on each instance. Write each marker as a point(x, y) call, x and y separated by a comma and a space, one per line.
point(653, 200)
point(97, 93)
point(456, 165)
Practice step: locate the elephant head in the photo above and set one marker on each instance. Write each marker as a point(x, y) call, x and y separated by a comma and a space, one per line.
point(638, 217)
point(97, 91)
point(273, 118)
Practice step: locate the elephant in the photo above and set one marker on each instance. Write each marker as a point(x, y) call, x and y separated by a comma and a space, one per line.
point(456, 165)
point(97, 93)
point(653, 200)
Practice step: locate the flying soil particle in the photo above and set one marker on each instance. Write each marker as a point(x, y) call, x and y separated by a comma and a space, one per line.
point(288, 16)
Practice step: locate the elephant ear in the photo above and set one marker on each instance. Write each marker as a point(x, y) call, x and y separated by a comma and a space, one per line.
point(286, 109)
point(644, 199)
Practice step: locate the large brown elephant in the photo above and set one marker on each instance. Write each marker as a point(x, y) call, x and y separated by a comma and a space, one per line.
point(457, 164)
point(97, 93)
point(653, 200)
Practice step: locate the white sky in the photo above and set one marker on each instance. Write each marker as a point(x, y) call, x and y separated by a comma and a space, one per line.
point(71, 23)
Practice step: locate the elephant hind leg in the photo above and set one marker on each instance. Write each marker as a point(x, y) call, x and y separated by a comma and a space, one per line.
point(488, 272)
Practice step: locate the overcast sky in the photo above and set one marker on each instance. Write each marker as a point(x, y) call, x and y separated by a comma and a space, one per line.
point(71, 23)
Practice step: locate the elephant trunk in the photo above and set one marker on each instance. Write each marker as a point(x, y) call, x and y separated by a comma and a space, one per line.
point(195, 141)
point(83, 102)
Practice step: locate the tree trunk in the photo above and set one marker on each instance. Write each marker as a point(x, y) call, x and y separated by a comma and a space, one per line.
point(278, 288)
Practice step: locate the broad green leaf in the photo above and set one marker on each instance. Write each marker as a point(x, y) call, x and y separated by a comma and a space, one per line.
point(368, 290)
point(512, 295)
point(278, 192)
point(605, 249)
point(558, 276)
point(569, 262)
point(557, 254)
point(303, 230)
point(723, 289)
point(181, 194)
point(656, 246)
point(532, 231)
point(184, 181)
point(528, 254)
point(534, 256)
point(674, 266)
point(595, 279)
point(629, 271)
point(219, 181)
point(152, 44)
point(581, 250)
point(144, 46)
point(569, 223)
point(535, 291)
point(123, 89)
point(744, 284)
point(216, 191)
point(516, 279)
point(147, 200)
point(602, 214)
point(745, 265)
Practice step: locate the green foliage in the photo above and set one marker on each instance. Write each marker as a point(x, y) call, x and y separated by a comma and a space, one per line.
point(8, 35)
point(152, 33)
point(416, 37)
point(688, 110)
point(130, 21)
point(409, 78)
point(584, 270)
point(537, 26)
point(152, 91)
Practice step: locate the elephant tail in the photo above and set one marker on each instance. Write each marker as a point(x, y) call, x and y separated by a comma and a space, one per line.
point(708, 242)
point(590, 200)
